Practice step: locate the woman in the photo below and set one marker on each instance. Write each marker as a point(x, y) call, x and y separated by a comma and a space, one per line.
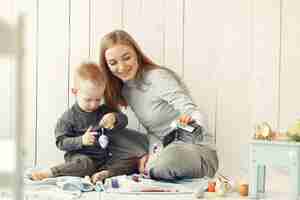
point(158, 98)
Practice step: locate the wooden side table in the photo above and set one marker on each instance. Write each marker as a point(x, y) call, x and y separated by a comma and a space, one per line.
point(273, 153)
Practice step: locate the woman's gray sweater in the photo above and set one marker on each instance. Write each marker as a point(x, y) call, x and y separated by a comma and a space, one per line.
point(158, 99)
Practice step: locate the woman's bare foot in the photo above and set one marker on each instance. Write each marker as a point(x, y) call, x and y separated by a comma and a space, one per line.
point(100, 176)
point(40, 175)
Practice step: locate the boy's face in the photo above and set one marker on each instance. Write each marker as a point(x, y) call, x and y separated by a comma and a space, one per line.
point(89, 95)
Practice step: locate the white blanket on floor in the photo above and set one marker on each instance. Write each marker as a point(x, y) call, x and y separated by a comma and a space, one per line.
point(126, 185)
point(52, 187)
point(65, 187)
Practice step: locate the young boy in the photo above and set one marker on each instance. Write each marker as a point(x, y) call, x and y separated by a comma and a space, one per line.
point(75, 133)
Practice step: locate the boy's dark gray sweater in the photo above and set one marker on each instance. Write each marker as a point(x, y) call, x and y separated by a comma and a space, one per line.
point(74, 123)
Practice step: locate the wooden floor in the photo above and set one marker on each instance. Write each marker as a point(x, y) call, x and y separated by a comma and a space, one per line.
point(233, 196)
point(46, 194)
point(108, 196)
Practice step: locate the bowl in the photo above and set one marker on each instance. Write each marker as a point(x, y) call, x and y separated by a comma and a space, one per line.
point(294, 137)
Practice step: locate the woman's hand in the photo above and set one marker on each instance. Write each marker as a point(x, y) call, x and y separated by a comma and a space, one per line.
point(88, 138)
point(184, 119)
point(108, 121)
point(142, 163)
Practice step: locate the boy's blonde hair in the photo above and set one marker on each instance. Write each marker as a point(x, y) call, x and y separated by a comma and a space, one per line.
point(89, 71)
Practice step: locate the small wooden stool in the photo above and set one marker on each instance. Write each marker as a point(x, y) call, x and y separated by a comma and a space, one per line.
point(273, 153)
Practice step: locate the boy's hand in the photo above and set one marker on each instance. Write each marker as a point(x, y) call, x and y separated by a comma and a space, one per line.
point(108, 121)
point(88, 138)
point(100, 176)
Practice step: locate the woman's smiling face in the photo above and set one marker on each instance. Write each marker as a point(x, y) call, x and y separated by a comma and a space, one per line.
point(122, 61)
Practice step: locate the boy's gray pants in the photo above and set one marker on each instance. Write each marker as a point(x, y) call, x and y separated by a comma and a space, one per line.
point(77, 165)
point(123, 145)
point(183, 160)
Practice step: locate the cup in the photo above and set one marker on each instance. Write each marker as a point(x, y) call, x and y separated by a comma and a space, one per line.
point(243, 189)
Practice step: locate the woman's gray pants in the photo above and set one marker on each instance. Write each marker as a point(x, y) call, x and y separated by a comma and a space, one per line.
point(183, 160)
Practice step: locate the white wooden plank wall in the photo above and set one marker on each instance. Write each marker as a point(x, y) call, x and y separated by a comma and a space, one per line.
point(240, 60)
point(52, 75)
point(132, 13)
point(105, 17)
point(233, 125)
point(29, 79)
point(7, 27)
point(80, 37)
point(265, 87)
point(202, 38)
point(266, 31)
point(10, 135)
point(289, 106)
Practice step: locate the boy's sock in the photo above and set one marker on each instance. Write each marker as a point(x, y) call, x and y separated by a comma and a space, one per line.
point(49, 172)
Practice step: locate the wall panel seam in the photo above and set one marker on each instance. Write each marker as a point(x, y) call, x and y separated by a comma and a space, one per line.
point(90, 25)
point(122, 14)
point(279, 64)
point(183, 38)
point(36, 83)
point(69, 54)
point(164, 36)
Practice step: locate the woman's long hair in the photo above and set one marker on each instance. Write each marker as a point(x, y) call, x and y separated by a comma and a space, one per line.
point(113, 94)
